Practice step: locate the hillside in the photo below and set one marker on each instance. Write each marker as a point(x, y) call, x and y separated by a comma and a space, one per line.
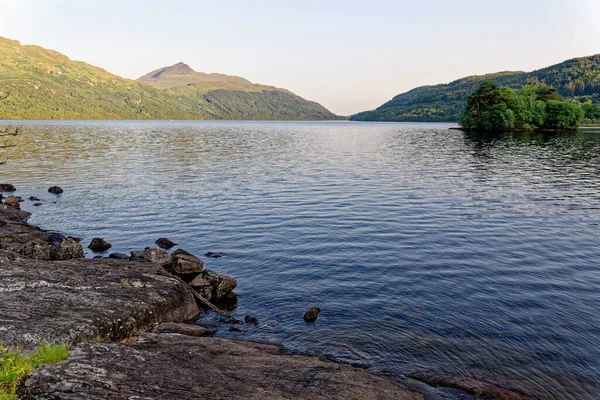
point(44, 84)
point(577, 78)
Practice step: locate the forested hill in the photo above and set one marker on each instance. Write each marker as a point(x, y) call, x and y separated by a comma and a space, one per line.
point(44, 84)
point(578, 78)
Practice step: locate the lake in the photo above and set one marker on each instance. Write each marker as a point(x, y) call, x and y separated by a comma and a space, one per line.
point(427, 249)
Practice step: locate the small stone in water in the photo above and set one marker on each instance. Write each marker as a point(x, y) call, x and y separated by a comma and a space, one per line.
point(312, 314)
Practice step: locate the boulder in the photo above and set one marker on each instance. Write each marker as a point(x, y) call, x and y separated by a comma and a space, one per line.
point(205, 283)
point(68, 249)
point(152, 255)
point(165, 243)
point(183, 329)
point(225, 287)
point(33, 198)
point(38, 249)
point(184, 263)
point(37, 204)
point(13, 201)
point(7, 187)
point(99, 245)
point(312, 314)
point(55, 190)
point(250, 320)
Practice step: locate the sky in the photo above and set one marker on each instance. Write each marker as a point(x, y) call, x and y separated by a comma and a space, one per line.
point(348, 55)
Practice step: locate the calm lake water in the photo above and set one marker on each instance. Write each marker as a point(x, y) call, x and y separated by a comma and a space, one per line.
point(425, 248)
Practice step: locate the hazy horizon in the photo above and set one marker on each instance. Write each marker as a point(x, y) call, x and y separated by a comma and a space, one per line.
point(348, 56)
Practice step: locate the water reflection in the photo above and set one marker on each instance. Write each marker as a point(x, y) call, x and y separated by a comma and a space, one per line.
point(465, 255)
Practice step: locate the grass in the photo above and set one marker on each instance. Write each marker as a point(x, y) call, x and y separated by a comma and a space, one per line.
point(14, 365)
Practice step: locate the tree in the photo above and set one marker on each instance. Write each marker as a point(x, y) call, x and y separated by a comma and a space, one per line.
point(493, 108)
point(6, 132)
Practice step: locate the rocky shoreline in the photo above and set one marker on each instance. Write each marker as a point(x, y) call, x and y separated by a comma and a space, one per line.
point(124, 321)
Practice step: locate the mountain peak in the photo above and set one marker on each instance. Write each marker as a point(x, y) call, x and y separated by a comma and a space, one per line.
point(179, 69)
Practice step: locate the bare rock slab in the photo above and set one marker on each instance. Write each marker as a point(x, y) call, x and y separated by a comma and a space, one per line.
point(163, 366)
point(74, 300)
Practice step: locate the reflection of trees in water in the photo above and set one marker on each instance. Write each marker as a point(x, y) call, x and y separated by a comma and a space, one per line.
point(583, 144)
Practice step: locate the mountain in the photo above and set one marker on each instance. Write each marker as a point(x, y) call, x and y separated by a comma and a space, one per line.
point(45, 84)
point(578, 78)
point(182, 74)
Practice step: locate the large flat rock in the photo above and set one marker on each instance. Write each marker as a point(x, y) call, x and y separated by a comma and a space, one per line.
point(171, 366)
point(75, 300)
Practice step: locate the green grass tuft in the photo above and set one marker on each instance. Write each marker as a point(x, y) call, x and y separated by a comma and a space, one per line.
point(14, 365)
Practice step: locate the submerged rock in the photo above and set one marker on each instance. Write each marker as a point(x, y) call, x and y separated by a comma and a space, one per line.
point(55, 190)
point(98, 245)
point(214, 255)
point(33, 198)
point(37, 204)
point(7, 187)
point(312, 314)
point(165, 243)
point(152, 255)
point(250, 320)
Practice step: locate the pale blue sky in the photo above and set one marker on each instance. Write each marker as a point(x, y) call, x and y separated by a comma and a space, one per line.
point(348, 55)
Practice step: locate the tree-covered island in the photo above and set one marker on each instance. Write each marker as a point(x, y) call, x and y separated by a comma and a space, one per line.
point(530, 108)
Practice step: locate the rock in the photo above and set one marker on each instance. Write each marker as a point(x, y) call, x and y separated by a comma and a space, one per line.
point(98, 245)
point(37, 204)
point(75, 300)
point(55, 190)
point(13, 201)
point(38, 249)
point(7, 187)
point(184, 263)
point(165, 243)
point(224, 287)
point(205, 283)
point(33, 198)
point(214, 255)
point(214, 287)
point(152, 255)
point(68, 249)
point(183, 329)
point(118, 256)
point(160, 366)
point(312, 314)
point(250, 320)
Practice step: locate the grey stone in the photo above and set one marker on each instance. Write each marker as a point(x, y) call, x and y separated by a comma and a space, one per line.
point(184, 263)
point(152, 255)
point(7, 187)
point(99, 245)
point(183, 329)
point(160, 366)
point(119, 256)
point(55, 190)
point(311, 314)
point(165, 243)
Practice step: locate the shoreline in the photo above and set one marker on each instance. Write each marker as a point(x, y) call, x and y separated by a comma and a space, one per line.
point(135, 322)
point(107, 309)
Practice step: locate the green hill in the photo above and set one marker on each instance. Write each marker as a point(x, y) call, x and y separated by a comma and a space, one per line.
point(44, 84)
point(574, 79)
